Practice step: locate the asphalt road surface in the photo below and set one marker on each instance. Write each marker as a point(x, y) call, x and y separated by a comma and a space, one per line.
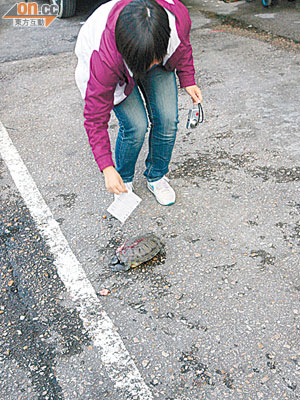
point(216, 314)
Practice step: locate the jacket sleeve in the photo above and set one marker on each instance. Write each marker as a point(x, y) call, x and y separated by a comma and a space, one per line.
point(99, 101)
point(185, 66)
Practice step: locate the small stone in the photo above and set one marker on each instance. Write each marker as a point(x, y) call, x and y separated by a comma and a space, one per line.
point(104, 292)
point(22, 317)
point(265, 379)
point(136, 340)
point(10, 283)
point(165, 354)
point(145, 363)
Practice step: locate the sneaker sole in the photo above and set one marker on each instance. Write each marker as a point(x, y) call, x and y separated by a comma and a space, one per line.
point(169, 204)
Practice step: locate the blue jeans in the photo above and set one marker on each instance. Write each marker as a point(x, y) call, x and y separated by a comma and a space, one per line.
point(160, 93)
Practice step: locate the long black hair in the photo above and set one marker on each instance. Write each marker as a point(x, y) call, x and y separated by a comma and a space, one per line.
point(142, 34)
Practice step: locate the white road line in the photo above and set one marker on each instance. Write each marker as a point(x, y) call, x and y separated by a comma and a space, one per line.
point(116, 359)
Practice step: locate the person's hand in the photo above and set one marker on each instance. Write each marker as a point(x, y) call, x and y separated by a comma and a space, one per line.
point(113, 181)
point(195, 93)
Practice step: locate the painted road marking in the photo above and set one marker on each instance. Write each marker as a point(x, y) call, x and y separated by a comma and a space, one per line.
point(115, 357)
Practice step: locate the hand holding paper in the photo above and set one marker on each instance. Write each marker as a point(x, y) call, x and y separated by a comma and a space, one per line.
point(123, 205)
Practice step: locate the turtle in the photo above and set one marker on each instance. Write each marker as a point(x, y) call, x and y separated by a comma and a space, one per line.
point(136, 251)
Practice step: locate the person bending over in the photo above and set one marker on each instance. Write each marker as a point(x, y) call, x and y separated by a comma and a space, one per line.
point(128, 52)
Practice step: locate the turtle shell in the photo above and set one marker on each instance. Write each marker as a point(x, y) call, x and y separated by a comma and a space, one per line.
point(139, 249)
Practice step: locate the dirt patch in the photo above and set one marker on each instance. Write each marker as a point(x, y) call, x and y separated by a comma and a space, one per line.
point(208, 165)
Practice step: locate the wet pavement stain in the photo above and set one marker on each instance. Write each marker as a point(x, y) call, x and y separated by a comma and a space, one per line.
point(191, 363)
point(290, 233)
point(208, 165)
point(265, 257)
point(229, 23)
point(35, 328)
point(281, 175)
point(69, 199)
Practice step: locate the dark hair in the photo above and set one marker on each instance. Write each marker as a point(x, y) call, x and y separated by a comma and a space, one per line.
point(142, 34)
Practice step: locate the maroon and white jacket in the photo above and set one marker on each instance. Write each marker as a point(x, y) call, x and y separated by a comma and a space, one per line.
point(104, 79)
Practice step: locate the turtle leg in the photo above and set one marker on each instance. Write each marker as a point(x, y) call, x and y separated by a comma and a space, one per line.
point(120, 267)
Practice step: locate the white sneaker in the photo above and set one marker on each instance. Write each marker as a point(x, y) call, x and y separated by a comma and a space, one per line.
point(163, 192)
point(129, 187)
